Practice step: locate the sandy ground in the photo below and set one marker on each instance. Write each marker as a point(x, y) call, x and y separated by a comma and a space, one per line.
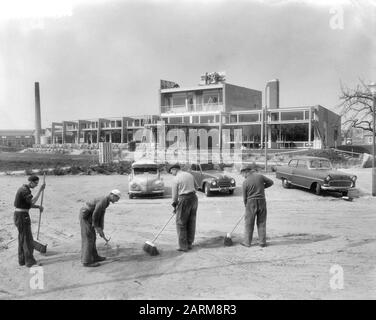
point(307, 235)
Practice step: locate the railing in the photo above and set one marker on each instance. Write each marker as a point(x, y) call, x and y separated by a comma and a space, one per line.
point(192, 108)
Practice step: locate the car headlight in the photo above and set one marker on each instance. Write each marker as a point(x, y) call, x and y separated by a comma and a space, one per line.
point(328, 178)
point(232, 181)
point(135, 186)
point(158, 183)
point(353, 178)
point(214, 183)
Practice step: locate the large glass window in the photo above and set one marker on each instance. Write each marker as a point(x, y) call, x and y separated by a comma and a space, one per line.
point(233, 118)
point(175, 120)
point(293, 115)
point(178, 99)
point(207, 119)
point(248, 117)
point(195, 119)
point(212, 96)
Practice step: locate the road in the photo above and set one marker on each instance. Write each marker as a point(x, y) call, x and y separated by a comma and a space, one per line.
point(320, 247)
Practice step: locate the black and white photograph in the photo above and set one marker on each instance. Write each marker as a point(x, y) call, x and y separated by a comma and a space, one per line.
point(205, 151)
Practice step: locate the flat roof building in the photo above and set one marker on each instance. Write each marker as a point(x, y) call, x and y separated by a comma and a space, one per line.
point(216, 104)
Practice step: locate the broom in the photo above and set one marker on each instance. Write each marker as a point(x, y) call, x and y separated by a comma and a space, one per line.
point(149, 246)
point(228, 242)
point(42, 248)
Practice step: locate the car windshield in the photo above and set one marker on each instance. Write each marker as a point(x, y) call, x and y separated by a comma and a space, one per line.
point(211, 166)
point(320, 164)
point(138, 171)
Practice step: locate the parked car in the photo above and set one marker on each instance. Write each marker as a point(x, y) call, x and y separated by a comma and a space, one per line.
point(211, 178)
point(145, 179)
point(316, 174)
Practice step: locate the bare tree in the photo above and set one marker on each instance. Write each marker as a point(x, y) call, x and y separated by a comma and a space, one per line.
point(356, 107)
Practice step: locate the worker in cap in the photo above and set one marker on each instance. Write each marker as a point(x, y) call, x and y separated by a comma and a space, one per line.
point(254, 200)
point(185, 203)
point(92, 221)
point(23, 202)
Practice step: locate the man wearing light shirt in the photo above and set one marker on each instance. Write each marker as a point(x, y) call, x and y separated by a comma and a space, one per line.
point(185, 204)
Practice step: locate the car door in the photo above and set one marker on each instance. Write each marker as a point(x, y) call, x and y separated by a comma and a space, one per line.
point(290, 171)
point(301, 174)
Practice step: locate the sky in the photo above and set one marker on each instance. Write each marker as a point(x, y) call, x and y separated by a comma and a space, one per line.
point(103, 58)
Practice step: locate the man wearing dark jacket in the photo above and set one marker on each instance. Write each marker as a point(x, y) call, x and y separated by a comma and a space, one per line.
point(255, 203)
point(91, 221)
point(23, 202)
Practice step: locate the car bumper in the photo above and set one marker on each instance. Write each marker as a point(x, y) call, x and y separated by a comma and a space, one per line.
point(222, 189)
point(146, 192)
point(336, 188)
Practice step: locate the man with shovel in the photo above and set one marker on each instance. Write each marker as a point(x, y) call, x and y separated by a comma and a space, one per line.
point(185, 203)
point(91, 221)
point(255, 203)
point(23, 202)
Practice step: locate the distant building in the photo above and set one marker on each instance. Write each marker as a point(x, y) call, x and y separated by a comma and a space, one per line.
point(213, 103)
point(17, 138)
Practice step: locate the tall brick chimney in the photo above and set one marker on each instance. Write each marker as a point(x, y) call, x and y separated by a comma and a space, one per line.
point(38, 127)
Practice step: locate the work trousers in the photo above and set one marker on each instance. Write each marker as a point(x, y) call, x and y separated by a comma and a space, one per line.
point(255, 209)
point(186, 212)
point(89, 253)
point(25, 239)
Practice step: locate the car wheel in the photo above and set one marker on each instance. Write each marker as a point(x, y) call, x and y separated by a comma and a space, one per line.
point(345, 193)
point(231, 191)
point(318, 190)
point(285, 184)
point(207, 190)
point(131, 196)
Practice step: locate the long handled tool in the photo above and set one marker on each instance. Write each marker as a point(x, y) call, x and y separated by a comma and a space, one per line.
point(228, 241)
point(42, 248)
point(149, 246)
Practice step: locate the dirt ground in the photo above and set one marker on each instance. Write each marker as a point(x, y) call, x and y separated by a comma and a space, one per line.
point(307, 236)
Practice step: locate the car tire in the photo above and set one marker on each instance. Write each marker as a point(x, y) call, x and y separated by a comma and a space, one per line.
point(285, 184)
point(345, 193)
point(231, 191)
point(131, 196)
point(318, 189)
point(207, 190)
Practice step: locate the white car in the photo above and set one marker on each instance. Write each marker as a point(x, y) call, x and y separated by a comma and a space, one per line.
point(145, 179)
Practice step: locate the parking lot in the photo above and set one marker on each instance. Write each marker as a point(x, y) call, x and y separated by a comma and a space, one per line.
point(312, 240)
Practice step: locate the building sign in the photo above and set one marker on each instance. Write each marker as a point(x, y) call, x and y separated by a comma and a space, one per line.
point(213, 78)
point(168, 84)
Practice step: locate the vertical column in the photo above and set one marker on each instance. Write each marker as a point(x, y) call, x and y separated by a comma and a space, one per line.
point(37, 114)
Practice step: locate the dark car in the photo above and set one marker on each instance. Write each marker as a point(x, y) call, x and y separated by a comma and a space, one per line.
point(211, 178)
point(316, 174)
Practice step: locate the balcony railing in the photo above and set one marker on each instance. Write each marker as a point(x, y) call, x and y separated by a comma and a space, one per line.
point(193, 108)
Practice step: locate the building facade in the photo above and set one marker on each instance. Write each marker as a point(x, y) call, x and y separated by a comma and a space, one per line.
point(17, 138)
point(220, 105)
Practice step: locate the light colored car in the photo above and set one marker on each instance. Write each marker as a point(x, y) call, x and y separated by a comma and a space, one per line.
point(145, 179)
point(316, 174)
point(211, 178)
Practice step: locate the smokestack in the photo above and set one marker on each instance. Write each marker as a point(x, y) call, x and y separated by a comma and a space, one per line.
point(38, 127)
point(273, 86)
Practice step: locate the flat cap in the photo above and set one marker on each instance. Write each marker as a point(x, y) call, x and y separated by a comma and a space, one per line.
point(249, 167)
point(33, 178)
point(174, 166)
point(116, 192)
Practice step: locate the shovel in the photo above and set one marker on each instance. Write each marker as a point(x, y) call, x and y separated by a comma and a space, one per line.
point(42, 248)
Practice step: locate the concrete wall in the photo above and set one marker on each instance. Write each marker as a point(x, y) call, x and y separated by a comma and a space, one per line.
point(329, 127)
point(239, 98)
